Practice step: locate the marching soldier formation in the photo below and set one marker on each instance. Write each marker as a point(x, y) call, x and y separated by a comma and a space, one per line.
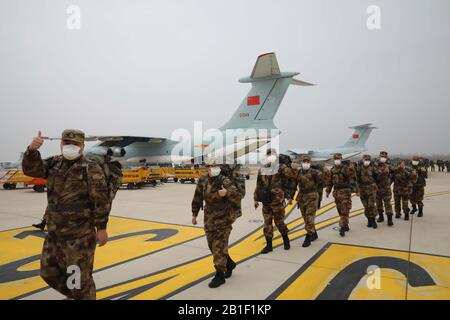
point(81, 191)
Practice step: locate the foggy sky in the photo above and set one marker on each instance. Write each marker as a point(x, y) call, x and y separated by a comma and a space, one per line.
point(145, 68)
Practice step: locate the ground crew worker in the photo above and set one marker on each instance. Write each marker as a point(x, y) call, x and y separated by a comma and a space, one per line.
point(308, 181)
point(384, 193)
point(367, 189)
point(78, 210)
point(341, 179)
point(418, 190)
point(221, 198)
point(403, 178)
point(269, 191)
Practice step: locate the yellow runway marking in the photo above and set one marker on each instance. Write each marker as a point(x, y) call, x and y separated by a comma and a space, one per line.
point(344, 267)
point(167, 283)
point(164, 284)
point(129, 239)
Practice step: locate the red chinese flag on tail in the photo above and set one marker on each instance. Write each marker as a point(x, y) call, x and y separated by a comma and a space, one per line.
point(253, 101)
point(355, 136)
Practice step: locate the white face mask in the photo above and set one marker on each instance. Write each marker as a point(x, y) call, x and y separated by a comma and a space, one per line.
point(415, 163)
point(383, 159)
point(214, 171)
point(306, 165)
point(71, 151)
point(271, 159)
point(366, 163)
point(337, 162)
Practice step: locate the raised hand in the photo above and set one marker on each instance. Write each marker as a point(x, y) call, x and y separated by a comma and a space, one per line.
point(37, 142)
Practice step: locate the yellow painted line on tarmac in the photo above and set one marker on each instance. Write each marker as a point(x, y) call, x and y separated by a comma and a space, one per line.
point(342, 263)
point(169, 282)
point(129, 240)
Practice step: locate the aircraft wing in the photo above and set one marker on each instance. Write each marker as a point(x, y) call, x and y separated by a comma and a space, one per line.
point(123, 141)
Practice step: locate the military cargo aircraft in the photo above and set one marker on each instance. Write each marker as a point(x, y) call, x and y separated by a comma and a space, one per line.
point(353, 147)
point(250, 127)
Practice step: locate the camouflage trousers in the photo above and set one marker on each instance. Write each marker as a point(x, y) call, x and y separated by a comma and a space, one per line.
point(368, 196)
point(384, 198)
point(343, 199)
point(319, 202)
point(307, 204)
point(60, 262)
point(274, 213)
point(401, 202)
point(417, 196)
point(218, 229)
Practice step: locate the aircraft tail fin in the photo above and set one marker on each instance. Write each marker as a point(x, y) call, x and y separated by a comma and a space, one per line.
point(360, 135)
point(269, 86)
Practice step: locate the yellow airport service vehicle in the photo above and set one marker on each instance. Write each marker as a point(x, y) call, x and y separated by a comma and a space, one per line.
point(135, 178)
point(11, 178)
point(184, 174)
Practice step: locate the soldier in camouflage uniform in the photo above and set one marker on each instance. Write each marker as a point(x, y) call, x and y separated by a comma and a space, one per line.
point(271, 178)
point(404, 178)
point(384, 193)
point(232, 172)
point(432, 166)
point(323, 182)
point(78, 210)
point(222, 199)
point(308, 182)
point(367, 175)
point(418, 189)
point(341, 180)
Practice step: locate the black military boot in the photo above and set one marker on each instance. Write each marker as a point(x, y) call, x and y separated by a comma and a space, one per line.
point(286, 242)
point(420, 212)
point(230, 267)
point(346, 229)
point(314, 236)
point(406, 215)
point(307, 241)
point(268, 248)
point(390, 222)
point(374, 223)
point(218, 280)
point(380, 217)
point(369, 223)
point(40, 225)
point(342, 232)
point(398, 215)
point(414, 209)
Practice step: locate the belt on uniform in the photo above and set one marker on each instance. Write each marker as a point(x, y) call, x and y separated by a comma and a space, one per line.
point(70, 206)
point(342, 186)
point(307, 191)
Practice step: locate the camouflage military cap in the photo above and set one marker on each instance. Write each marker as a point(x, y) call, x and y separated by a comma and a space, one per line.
point(73, 135)
point(337, 156)
point(366, 157)
point(416, 158)
point(383, 154)
point(306, 159)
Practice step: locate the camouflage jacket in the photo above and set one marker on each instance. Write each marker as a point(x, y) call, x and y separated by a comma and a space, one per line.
point(422, 175)
point(207, 192)
point(276, 186)
point(403, 179)
point(71, 184)
point(384, 176)
point(308, 181)
point(366, 177)
point(342, 177)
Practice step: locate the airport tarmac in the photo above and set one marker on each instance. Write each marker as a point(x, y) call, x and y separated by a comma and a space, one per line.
point(155, 253)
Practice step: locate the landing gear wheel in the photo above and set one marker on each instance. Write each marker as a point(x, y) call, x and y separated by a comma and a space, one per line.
point(39, 188)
